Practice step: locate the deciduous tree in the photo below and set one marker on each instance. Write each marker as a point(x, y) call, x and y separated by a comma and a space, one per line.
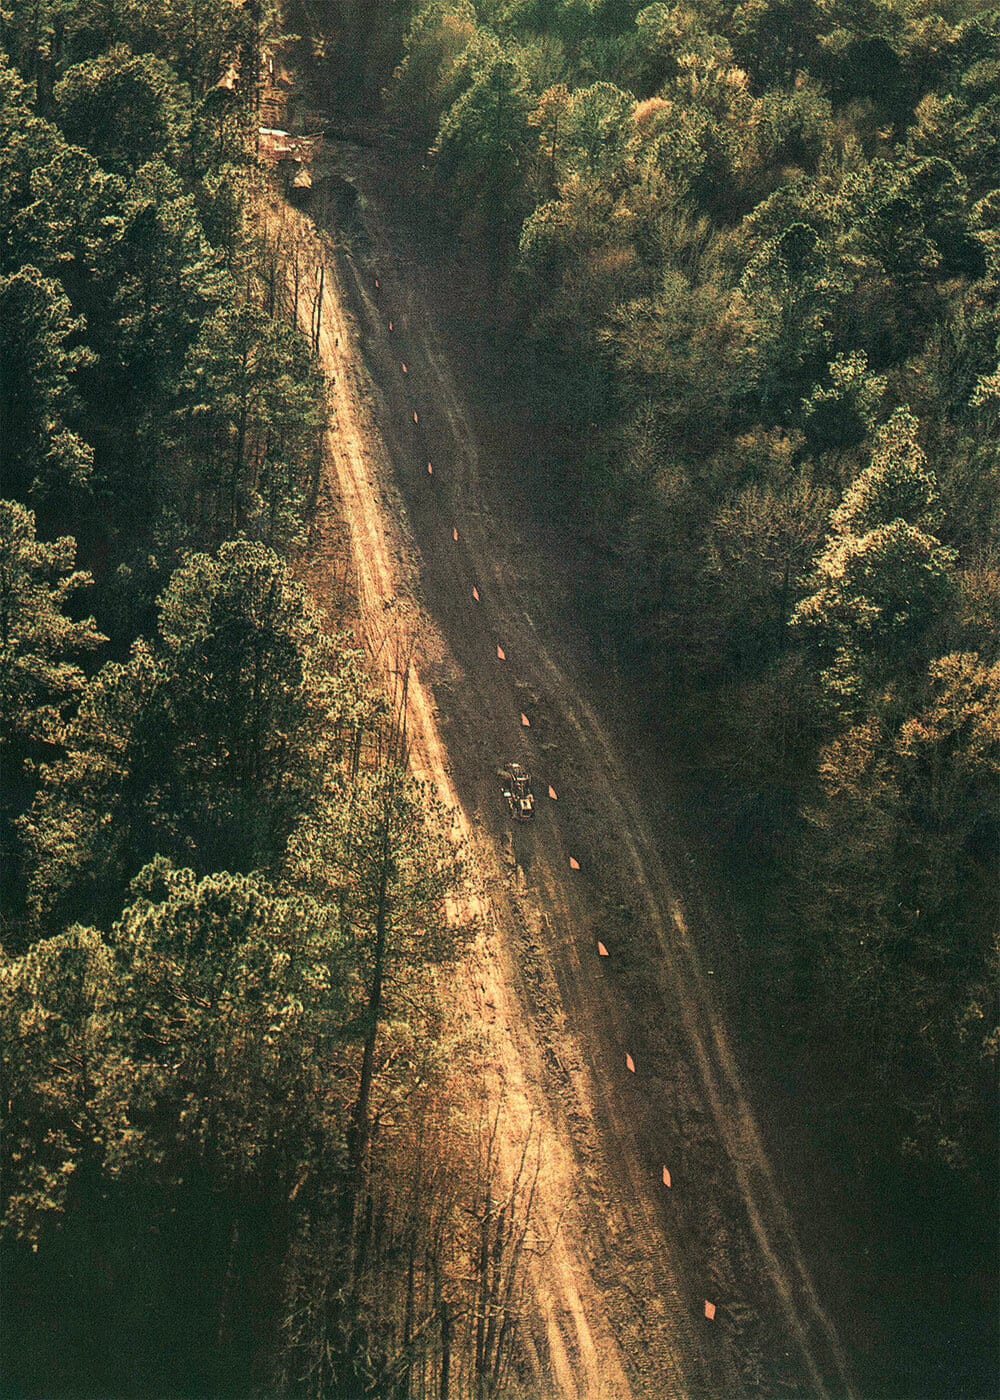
point(882, 580)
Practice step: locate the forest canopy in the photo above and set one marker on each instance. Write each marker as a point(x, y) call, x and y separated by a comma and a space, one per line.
point(742, 263)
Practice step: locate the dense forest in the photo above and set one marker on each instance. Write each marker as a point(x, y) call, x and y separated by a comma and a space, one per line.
point(743, 264)
point(233, 1160)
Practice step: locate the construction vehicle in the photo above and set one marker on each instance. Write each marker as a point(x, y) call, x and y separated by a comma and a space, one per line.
point(515, 783)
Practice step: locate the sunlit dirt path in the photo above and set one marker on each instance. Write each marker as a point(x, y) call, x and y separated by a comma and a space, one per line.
point(570, 1344)
point(621, 1291)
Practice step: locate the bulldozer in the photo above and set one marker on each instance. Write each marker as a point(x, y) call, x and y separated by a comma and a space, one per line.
point(515, 784)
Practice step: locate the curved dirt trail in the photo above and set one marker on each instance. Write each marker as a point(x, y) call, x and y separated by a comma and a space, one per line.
point(621, 1289)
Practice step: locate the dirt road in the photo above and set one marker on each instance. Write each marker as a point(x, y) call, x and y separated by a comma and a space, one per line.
point(620, 1061)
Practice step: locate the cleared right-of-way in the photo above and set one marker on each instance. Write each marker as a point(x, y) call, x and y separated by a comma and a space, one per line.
point(624, 1056)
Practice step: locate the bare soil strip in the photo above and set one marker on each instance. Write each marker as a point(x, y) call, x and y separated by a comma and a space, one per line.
point(620, 1289)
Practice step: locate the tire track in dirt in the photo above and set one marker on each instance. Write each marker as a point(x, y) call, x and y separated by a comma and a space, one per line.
point(542, 969)
point(573, 1348)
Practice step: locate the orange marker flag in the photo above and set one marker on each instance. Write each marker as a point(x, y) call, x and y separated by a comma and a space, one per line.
point(402, 367)
point(666, 1178)
point(501, 654)
point(525, 722)
point(475, 594)
point(430, 469)
point(630, 1064)
point(415, 418)
point(574, 864)
point(709, 1310)
point(602, 951)
point(552, 793)
point(454, 535)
